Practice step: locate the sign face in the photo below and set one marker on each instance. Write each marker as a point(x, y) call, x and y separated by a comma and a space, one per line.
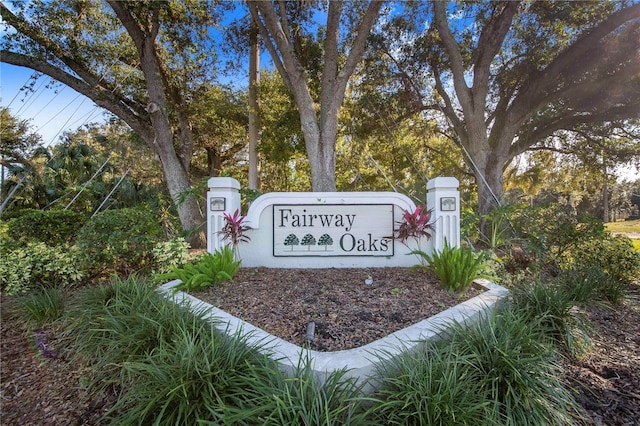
point(332, 230)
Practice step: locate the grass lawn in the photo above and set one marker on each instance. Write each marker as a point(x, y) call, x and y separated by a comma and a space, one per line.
point(626, 226)
point(629, 227)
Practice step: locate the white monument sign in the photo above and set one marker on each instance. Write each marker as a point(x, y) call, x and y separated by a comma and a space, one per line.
point(331, 229)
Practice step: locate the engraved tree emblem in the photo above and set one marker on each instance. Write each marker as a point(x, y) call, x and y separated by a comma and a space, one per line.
point(291, 240)
point(326, 241)
point(308, 240)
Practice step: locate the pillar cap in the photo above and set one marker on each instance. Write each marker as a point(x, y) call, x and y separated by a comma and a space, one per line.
point(443, 182)
point(223, 183)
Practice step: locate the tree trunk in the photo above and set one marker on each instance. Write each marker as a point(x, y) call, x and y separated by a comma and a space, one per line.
point(177, 181)
point(605, 192)
point(319, 132)
point(488, 172)
point(175, 171)
point(254, 80)
point(323, 166)
point(214, 162)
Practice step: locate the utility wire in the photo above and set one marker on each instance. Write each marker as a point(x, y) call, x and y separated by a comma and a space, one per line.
point(87, 183)
point(31, 98)
point(112, 191)
point(51, 100)
point(33, 76)
point(18, 92)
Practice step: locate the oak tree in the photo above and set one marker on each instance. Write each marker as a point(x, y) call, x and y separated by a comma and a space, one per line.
point(502, 78)
point(140, 60)
point(316, 67)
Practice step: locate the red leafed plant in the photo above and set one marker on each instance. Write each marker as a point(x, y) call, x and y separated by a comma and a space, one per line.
point(234, 229)
point(416, 224)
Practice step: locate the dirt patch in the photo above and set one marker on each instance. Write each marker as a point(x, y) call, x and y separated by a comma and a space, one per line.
point(346, 311)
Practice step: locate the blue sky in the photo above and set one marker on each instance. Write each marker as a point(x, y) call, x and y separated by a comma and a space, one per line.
point(50, 110)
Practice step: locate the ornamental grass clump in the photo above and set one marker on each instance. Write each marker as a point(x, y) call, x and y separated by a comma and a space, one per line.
point(165, 363)
point(43, 306)
point(121, 321)
point(500, 370)
point(553, 307)
point(198, 377)
point(300, 400)
point(457, 267)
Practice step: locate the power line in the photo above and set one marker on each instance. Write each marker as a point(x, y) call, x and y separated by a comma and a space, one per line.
point(68, 119)
point(33, 95)
point(51, 100)
point(87, 183)
point(88, 116)
point(110, 193)
point(18, 92)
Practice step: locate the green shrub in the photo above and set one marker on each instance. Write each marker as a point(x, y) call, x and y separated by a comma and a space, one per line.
point(39, 265)
point(210, 269)
point(496, 371)
point(498, 224)
point(170, 254)
point(120, 240)
point(7, 243)
point(613, 254)
point(51, 227)
point(553, 230)
point(7, 215)
point(456, 267)
point(43, 306)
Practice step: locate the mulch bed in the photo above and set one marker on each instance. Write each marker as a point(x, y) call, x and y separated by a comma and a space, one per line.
point(346, 311)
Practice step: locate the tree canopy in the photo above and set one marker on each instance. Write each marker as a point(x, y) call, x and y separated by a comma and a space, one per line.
point(361, 95)
point(503, 77)
point(18, 139)
point(140, 60)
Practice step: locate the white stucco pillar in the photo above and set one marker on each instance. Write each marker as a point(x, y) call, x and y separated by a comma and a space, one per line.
point(223, 196)
point(444, 198)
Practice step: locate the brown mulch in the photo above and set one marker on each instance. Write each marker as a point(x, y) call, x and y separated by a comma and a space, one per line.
point(346, 311)
point(39, 387)
point(607, 379)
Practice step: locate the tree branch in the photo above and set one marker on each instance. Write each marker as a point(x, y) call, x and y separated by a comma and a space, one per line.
point(489, 44)
point(262, 29)
point(357, 47)
point(103, 97)
point(542, 85)
point(455, 57)
point(135, 32)
point(569, 123)
point(330, 68)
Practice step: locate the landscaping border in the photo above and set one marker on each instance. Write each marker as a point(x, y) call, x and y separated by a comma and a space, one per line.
point(359, 363)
